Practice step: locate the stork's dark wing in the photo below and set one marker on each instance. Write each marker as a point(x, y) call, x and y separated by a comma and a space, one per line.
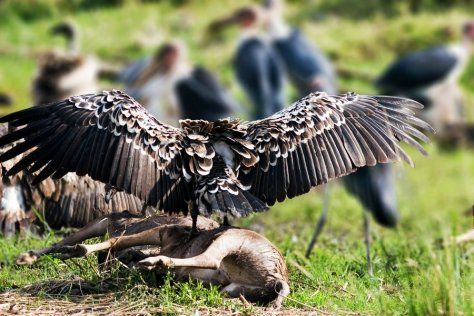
point(418, 69)
point(304, 61)
point(201, 97)
point(260, 74)
point(108, 136)
point(320, 138)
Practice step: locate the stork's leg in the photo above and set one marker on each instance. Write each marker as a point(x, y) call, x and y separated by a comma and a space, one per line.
point(321, 221)
point(367, 242)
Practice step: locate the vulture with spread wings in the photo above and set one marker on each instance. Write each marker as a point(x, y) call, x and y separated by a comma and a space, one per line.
point(228, 167)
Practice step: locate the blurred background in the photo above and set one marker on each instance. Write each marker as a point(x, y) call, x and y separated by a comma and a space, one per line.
point(359, 40)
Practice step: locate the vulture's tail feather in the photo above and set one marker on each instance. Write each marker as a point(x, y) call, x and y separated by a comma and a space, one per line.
point(228, 198)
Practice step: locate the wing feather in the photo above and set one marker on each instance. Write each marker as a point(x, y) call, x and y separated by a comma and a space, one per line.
point(323, 137)
point(109, 137)
point(338, 163)
point(331, 160)
point(366, 153)
point(322, 160)
point(305, 182)
point(308, 153)
point(77, 201)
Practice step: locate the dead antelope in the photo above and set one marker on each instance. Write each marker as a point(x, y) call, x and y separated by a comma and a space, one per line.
point(241, 261)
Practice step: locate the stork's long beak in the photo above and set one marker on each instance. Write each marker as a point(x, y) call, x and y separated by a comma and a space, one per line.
point(154, 67)
point(217, 26)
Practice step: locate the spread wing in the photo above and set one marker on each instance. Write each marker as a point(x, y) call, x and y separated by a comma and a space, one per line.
point(323, 137)
point(108, 136)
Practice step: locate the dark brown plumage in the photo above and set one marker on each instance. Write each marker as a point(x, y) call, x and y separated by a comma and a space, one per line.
point(204, 167)
point(76, 201)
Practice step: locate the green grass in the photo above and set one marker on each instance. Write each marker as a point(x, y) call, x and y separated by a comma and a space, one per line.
point(412, 275)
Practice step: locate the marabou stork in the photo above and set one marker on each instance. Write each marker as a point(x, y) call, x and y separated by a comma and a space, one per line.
point(310, 70)
point(257, 67)
point(307, 66)
point(431, 77)
point(62, 74)
point(192, 90)
point(226, 167)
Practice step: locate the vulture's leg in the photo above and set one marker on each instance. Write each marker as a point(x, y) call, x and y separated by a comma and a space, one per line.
point(93, 229)
point(226, 222)
point(147, 237)
point(321, 221)
point(194, 217)
point(144, 210)
point(367, 242)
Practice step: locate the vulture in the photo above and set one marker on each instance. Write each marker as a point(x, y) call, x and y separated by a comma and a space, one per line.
point(431, 77)
point(227, 167)
point(62, 74)
point(257, 67)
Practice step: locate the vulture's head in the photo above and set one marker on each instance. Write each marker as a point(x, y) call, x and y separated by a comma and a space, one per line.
point(70, 32)
point(66, 29)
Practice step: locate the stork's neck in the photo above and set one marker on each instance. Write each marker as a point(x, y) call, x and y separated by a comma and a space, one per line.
point(248, 33)
point(276, 26)
point(180, 70)
point(466, 44)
